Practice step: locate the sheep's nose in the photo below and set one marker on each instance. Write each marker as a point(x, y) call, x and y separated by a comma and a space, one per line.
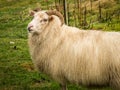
point(30, 28)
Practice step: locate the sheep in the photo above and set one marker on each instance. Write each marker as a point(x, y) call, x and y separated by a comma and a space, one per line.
point(70, 55)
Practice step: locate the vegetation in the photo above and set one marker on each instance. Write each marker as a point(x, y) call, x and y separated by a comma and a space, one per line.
point(90, 14)
point(16, 68)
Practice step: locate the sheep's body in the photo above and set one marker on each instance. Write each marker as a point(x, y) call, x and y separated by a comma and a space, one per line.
point(82, 57)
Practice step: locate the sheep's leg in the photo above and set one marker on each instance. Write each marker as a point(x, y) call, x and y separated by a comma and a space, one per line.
point(63, 87)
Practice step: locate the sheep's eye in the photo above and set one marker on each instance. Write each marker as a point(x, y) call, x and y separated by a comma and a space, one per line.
point(45, 20)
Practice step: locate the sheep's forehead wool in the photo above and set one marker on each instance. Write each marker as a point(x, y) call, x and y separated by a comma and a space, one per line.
point(41, 14)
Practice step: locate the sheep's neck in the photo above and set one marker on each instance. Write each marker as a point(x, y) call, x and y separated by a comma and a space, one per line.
point(44, 44)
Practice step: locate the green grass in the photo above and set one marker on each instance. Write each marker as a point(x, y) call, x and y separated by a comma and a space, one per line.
point(16, 68)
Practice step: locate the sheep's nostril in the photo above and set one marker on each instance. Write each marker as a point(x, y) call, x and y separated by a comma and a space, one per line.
point(30, 28)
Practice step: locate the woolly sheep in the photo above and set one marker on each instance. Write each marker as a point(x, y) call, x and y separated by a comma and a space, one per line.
point(67, 54)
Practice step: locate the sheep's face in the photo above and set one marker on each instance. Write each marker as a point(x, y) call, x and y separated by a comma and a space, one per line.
point(39, 22)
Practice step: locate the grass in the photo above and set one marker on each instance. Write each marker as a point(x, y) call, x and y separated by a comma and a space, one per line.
point(16, 68)
point(110, 17)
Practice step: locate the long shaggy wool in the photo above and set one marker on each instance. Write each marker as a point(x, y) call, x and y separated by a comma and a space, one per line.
point(83, 57)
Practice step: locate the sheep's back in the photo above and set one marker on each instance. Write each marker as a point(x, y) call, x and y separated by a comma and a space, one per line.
point(79, 56)
point(93, 52)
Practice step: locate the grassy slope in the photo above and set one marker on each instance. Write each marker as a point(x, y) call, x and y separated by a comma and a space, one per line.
point(16, 68)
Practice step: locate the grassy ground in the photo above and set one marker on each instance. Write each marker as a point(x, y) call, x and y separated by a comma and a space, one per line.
point(16, 68)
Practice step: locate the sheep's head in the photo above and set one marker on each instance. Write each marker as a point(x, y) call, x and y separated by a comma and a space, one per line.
point(42, 19)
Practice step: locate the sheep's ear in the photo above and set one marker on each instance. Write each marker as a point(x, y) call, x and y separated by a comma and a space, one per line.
point(31, 12)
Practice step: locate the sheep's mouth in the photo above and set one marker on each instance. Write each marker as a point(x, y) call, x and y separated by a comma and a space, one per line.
point(30, 28)
point(30, 31)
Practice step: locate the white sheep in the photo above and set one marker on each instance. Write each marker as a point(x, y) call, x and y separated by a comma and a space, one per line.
point(67, 54)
